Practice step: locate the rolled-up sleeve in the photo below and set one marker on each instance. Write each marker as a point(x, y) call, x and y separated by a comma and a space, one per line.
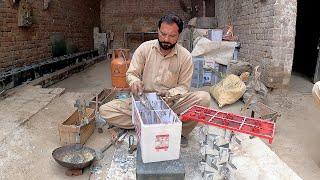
point(135, 70)
point(185, 77)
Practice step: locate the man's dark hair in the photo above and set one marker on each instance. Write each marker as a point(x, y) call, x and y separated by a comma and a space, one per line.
point(171, 18)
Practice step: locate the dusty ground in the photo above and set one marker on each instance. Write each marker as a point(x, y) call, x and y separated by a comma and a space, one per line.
point(27, 153)
point(25, 150)
point(298, 130)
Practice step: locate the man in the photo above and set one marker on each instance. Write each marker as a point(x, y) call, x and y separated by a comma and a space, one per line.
point(164, 67)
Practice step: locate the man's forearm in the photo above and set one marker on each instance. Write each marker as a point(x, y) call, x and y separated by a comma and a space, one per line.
point(132, 78)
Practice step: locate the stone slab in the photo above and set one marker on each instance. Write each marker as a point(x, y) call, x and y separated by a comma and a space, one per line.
point(167, 170)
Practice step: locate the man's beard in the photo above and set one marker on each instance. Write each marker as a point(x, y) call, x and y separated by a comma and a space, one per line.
point(166, 45)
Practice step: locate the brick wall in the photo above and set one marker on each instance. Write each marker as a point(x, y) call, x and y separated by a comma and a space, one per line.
point(266, 29)
point(75, 19)
point(135, 16)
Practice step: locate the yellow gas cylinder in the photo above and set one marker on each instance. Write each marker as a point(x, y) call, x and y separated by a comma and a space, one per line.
point(119, 66)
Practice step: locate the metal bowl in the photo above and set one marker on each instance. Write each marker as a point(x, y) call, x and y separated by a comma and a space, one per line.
point(75, 156)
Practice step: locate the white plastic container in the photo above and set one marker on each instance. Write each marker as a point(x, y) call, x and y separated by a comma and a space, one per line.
point(215, 34)
point(158, 130)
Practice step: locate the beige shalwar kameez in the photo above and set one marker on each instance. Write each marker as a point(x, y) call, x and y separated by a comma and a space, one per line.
point(158, 73)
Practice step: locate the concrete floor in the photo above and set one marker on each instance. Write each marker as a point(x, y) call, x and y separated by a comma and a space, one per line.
point(295, 140)
point(298, 129)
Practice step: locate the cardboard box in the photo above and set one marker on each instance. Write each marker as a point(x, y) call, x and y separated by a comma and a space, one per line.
point(158, 129)
point(71, 131)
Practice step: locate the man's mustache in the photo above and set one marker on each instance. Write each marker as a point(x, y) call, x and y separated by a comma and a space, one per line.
point(166, 43)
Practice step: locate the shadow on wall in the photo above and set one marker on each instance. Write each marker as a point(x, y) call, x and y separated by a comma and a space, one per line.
point(60, 47)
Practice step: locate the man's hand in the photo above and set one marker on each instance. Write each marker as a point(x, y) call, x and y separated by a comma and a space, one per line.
point(166, 97)
point(163, 93)
point(137, 88)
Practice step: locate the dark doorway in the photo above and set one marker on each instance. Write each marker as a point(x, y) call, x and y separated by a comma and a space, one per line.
point(307, 39)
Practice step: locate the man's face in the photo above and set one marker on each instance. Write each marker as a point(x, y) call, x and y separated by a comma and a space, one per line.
point(168, 35)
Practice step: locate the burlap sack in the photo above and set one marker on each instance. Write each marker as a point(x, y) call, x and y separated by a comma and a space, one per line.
point(228, 91)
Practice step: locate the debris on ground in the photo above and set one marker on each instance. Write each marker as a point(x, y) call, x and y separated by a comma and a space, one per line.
point(255, 88)
point(123, 165)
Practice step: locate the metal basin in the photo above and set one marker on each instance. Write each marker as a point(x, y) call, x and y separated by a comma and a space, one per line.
point(75, 156)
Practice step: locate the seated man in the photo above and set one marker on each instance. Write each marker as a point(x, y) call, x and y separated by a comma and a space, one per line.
point(160, 66)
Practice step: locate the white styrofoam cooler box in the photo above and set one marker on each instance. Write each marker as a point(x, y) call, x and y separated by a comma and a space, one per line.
point(158, 130)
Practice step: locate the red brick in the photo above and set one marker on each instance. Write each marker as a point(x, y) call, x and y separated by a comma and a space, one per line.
point(128, 15)
point(74, 18)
